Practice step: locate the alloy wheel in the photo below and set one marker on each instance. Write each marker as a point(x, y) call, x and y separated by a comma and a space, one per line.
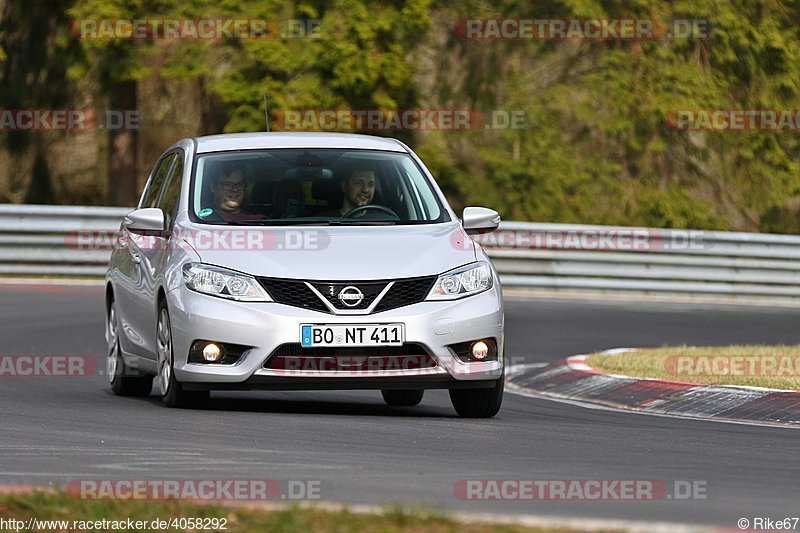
point(164, 346)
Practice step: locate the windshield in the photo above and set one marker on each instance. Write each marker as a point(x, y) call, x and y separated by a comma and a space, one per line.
point(312, 186)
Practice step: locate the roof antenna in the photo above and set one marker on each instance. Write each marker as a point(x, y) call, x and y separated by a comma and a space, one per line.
point(266, 111)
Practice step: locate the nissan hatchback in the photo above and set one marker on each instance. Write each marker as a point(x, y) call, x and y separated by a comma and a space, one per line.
point(292, 261)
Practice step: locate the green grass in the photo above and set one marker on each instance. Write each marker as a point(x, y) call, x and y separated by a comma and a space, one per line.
point(49, 505)
point(776, 367)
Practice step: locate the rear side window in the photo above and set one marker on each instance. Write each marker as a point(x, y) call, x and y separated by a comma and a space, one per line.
point(156, 181)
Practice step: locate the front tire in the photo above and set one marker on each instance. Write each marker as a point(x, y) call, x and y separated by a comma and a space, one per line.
point(478, 403)
point(172, 392)
point(402, 398)
point(124, 380)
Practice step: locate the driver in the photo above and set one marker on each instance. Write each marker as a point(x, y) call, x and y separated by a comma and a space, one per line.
point(358, 189)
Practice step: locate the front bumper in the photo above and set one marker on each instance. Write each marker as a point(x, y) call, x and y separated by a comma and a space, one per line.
point(266, 326)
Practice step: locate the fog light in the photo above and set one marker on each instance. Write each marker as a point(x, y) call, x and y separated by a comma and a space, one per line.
point(212, 352)
point(480, 350)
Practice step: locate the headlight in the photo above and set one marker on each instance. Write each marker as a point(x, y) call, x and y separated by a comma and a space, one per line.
point(461, 282)
point(224, 283)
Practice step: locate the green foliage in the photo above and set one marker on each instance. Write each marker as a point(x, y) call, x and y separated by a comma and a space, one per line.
point(597, 146)
point(358, 61)
point(114, 60)
point(33, 75)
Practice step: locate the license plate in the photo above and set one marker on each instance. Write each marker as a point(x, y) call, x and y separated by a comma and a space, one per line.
point(352, 335)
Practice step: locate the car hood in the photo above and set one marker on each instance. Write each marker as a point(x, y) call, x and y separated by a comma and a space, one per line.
point(334, 253)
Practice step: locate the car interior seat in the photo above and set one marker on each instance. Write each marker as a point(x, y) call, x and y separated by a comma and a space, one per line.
point(289, 199)
point(261, 198)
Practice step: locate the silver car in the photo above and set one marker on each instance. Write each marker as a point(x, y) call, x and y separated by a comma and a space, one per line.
point(291, 261)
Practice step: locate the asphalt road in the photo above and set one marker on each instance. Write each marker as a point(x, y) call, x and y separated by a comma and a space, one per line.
point(53, 430)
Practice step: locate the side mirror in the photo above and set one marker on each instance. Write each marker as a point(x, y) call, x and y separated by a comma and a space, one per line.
point(478, 220)
point(147, 220)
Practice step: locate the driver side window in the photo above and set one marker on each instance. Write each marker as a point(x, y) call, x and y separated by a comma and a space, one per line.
point(168, 202)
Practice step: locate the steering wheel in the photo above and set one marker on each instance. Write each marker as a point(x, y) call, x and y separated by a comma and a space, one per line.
point(376, 207)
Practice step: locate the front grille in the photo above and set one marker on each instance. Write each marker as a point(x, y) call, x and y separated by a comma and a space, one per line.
point(406, 292)
point(294, 293)
point(293, 357)
point(331, 291)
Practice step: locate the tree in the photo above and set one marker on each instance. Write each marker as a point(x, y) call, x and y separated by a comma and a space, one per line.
point(118, 66)
point(36, 53)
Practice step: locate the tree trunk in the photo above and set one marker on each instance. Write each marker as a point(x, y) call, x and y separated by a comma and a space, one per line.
point(40, 189)
point(212, 111)
point(123, 146)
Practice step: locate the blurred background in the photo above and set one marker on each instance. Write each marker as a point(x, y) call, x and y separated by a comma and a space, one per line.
point(597, 145)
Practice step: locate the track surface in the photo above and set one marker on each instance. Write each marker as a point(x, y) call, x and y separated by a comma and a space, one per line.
point(53, 430)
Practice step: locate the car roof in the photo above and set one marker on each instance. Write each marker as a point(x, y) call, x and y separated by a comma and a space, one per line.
point(262, 140)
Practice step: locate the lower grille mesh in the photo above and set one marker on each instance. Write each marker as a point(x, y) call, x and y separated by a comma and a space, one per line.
point(362, 359)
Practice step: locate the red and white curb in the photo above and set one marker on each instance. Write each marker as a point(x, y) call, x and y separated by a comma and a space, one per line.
point(575, 381)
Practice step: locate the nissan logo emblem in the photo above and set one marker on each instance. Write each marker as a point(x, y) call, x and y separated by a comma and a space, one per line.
point(351, 296)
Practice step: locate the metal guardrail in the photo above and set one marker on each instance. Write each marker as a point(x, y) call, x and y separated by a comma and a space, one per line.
point(43, 241)
point(38, 240)
point(646, 260)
